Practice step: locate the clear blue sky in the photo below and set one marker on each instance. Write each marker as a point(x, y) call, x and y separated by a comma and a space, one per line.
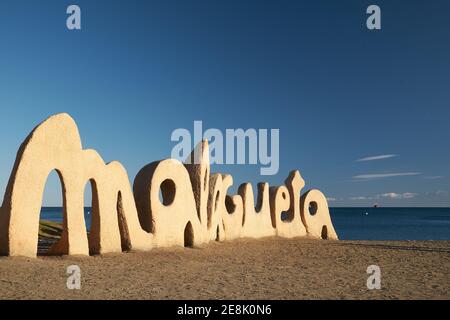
point(338, 92)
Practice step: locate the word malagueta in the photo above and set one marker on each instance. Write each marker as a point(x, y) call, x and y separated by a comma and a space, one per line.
point(194, 208)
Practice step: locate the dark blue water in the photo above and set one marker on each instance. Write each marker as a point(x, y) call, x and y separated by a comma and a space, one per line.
point(354, 224)
point(392, 223)
point(55, 214)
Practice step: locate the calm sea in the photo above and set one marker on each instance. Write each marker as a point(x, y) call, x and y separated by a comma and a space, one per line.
point(363, 223)
point(392, 223)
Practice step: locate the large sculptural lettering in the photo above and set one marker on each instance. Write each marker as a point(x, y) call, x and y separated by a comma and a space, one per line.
point(195, 207)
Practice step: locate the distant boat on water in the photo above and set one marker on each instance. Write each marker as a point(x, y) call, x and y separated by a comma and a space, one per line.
point(375, 205)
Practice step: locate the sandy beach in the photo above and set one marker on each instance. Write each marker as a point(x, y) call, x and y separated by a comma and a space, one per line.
point(271, 268)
